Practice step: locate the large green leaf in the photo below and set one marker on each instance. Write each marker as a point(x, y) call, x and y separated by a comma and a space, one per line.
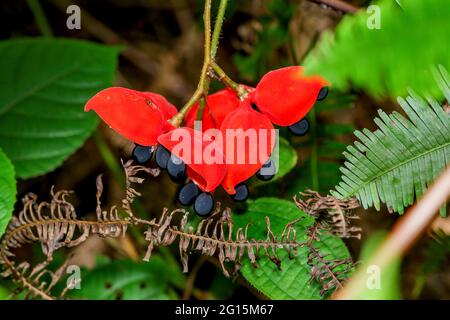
point(293, 280)
point(402, 157)
point(7, 191)
point(128, 280)
point(44, 84)
point(386, 61)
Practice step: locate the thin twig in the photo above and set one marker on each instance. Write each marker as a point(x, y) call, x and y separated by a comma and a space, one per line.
point(192, 276)
point(41, 19)
point(203, 82)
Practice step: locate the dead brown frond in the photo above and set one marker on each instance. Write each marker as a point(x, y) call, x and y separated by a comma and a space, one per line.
point(54, 225)
point(216, 236)
point(130, 178)
point(333, 214)
point(330, 273)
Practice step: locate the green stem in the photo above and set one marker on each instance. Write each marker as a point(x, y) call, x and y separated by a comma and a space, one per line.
point(201, 109)
point(207, 26)
point(218, 28)
point(225, 79)
point(203, 83)
point(41, 19)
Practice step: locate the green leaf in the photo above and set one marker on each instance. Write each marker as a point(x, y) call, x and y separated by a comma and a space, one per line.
point(44, 85)
point(386, 61)
point(7, 191)
point(402, 157)
point(287, 161)
point(4, 293)
point(293, 281)
point(127, 280)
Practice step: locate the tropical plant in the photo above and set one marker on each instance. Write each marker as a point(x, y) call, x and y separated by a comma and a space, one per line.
point(288, 240)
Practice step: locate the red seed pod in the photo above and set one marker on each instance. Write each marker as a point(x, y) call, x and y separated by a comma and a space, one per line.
point(286, 95)
point(201, 153)
point(249, 138)
point(218, 106)
point(168, 109)
point(139, 117)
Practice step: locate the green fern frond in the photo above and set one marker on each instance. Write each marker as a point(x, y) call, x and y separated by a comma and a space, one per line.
point(402, 157)
point(409, 41)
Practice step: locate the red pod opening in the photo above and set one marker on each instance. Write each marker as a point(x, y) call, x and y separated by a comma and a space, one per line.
point(249, 138)
point(218, 106)
point(286, 95)
point(201, 153)
point(139, 117)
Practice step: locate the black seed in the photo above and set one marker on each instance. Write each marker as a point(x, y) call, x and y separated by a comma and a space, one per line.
point(176, 169)
point(241, 193)
point(162, 156)
point(254, 107)
point(300, 128)
point(267, 171)
point(322, 94)
point(142, 154)
point(204, 204)
point(188, 193)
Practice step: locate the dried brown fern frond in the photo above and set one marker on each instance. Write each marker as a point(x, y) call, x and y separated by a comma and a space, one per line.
point(331, 213)
point(216, 235)
point(332, 216)
point(330, 273)
point(131, 178)
point(54, 225)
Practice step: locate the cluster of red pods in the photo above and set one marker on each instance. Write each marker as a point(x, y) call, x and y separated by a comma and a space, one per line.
point(282, 97)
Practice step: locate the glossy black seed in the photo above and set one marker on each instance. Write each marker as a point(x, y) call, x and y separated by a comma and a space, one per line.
point(241, 193)
point(142, 154)
point(204, 204)
point(188, 193)
point(322, 94)
point(176, 169)
point(254, 107)
point(300, 128)
point(162, 156)
point(267, 171)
